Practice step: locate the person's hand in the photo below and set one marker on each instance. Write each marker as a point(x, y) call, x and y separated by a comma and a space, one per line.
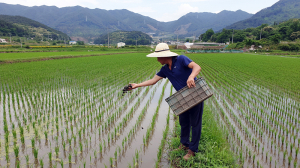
point(134, 85)
point(191, 82)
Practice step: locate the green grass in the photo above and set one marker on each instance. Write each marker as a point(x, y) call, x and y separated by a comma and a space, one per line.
point(213, 149)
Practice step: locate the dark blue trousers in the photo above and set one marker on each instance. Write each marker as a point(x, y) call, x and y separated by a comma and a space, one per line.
point(191, 118)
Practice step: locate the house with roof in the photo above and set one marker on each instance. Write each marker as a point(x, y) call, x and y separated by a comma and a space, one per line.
point(72, 42)
point(2, 41)
point(121, 44)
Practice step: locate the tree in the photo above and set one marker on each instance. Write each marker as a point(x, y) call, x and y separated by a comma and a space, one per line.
point(249, 42)
point(207, 35)
point(224, 36)
point(239, 37)
point(80, 42)
point(276, 38)
point(295, 35)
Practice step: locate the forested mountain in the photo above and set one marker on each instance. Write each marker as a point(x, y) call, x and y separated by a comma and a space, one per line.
point(129, 37)
point(281, 11)
point(90, 23)
point(265, 35)
point(22, 26)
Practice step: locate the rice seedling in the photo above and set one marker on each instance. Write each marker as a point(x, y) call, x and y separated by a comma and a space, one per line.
point(289, 160)
point(41, 163)
point(70, 158)
point(100, 148)
point(116, 154)
point(56, 151)
point(50, 156)
point(111, 161)
point(61, 163)
point(35, 152)
point(16, 151)
point(27, 159)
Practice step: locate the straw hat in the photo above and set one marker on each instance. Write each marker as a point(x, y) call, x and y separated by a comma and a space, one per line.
point(162, 50)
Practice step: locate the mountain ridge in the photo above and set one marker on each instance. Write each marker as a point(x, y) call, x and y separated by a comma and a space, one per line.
point(91, 23)
point(280, 11)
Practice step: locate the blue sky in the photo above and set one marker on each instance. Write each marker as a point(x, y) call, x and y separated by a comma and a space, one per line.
point(166, 10)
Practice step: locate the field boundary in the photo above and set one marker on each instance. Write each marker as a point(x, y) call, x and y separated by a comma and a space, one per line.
point(57, 57)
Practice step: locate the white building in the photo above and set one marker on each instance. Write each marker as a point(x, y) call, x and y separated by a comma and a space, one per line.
point(188, 45)
point(121, 44)
point(72, 42)
point(2, 41)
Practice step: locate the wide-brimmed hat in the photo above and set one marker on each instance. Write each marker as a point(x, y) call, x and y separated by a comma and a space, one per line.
point(162, 50)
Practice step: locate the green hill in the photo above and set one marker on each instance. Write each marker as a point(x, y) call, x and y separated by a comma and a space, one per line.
point(22, 26)
point(129, 37)
point(281, 11)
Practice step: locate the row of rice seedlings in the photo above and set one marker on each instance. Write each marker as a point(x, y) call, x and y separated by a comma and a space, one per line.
point(163, 141)
point(113, 136)
point(235, 140)
point(151, 127)
point(46, 134)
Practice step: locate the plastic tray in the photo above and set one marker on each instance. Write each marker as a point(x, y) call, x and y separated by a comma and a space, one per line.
point(186, 98)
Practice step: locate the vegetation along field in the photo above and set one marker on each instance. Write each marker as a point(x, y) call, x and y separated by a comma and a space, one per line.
point(71, 113)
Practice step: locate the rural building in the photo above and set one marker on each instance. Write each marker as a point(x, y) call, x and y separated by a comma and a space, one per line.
point(72, 42)
point(121, 44)
point(2, 41)
point(188, 45)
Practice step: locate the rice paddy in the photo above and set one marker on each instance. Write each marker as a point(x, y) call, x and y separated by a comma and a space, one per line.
point(71, 112)
point(256, 102)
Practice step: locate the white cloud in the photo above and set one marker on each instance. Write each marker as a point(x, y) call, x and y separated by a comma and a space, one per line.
point(188, 0)
point(186, 8)
point(126, 1)
point(142, 9)
point(183, 9)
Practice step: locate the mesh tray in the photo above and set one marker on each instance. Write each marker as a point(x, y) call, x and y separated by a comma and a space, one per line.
point(187, 98)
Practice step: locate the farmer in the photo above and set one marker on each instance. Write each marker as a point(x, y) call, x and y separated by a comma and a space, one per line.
point(181, 71)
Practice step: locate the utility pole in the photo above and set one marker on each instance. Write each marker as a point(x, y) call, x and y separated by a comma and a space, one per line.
point(135, 42)
point(21, 42)
point(42, 37)
point(260, 33)
point(10, 37)
point(107, 38)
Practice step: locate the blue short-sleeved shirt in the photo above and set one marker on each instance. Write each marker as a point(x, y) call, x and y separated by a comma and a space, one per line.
point(179, 73)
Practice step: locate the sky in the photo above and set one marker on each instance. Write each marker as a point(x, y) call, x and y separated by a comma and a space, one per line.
point(161, 10)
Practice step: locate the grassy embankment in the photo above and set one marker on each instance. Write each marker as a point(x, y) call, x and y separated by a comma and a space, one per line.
point(214, 151)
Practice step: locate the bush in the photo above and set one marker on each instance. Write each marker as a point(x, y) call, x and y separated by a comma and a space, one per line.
point(294, 47)
point(284, 47)
point(289, 47)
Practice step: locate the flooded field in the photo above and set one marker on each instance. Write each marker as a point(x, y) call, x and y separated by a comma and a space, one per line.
point(261, 122)
point(86, 125)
